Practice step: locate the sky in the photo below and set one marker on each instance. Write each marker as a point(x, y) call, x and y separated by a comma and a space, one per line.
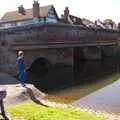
point(90, 9)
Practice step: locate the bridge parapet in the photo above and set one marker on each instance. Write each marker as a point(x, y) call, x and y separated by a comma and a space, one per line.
point(57, 34)
point(44, 34)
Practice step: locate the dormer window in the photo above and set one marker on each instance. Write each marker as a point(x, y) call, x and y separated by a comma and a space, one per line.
point(51, 14)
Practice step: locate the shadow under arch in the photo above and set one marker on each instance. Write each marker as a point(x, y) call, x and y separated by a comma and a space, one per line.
point(40, 67)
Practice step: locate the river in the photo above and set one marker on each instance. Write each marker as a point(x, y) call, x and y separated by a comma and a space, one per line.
point(90, 76)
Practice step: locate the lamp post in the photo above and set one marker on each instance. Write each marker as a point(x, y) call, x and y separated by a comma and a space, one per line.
point(3, 94)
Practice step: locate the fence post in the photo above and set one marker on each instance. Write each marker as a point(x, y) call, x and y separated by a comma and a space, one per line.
point(3, 94)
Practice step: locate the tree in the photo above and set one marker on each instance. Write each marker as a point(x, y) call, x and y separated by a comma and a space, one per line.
point(108, 21)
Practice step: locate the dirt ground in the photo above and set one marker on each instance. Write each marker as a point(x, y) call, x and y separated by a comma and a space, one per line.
point(16, 94)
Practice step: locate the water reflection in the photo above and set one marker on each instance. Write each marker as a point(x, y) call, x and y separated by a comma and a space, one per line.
point(93, 70)
point(84, 73)
point(94, 75)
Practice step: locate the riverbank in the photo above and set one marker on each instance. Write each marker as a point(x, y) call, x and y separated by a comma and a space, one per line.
point(97, 113)
point(18, 95)
point(52, 111)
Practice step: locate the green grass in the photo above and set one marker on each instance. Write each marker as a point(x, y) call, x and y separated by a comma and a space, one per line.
point(33, 111)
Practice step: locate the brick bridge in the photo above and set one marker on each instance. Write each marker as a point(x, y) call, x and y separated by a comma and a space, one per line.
point(56, 43)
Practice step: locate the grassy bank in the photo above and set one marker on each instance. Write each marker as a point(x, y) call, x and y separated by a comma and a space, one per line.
point(33, 111)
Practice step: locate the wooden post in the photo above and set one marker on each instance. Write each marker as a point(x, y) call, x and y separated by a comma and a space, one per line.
point(2, 96)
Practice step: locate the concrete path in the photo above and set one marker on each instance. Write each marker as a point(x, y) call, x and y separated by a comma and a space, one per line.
point(7, 79)
point(106, 99)
point(17, 94)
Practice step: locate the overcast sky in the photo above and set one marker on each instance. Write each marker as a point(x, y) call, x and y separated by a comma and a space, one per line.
point(91, 9)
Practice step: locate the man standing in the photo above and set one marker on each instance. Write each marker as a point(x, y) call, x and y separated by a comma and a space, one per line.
point(21, 68)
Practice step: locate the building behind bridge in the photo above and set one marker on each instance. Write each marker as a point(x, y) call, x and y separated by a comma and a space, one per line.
point(34, 15)
point(47, 14)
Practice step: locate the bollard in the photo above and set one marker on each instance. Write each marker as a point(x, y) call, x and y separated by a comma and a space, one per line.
point(3, 94)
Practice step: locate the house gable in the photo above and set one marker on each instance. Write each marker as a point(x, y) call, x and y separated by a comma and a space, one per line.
point(15, 16)
point(12, 19)
point(52, 15)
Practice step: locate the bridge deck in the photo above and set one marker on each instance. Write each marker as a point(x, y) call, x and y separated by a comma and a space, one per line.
point(38, 45)
point(50, 35)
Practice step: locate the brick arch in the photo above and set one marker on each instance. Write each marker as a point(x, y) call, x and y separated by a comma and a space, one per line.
point(40, 67)
point(31, 58)
point(52, 55)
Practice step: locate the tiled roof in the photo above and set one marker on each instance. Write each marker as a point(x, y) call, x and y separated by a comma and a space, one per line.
point(14, 16)
point(76, 20)
point(88, 23)
point(72, 20)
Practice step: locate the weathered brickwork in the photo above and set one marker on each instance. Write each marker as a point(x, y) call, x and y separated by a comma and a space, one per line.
point(55, 42)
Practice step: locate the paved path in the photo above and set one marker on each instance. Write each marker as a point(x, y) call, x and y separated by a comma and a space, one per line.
point(16, 93)
point(106, 99)
point(7, 79)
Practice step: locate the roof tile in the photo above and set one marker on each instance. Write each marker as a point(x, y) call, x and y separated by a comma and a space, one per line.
point(14, 16)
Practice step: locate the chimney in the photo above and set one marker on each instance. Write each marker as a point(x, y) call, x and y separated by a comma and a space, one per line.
point(66, 12)
point(119, 26)
point(62, 16)
point(21, 10)
point(36, 9)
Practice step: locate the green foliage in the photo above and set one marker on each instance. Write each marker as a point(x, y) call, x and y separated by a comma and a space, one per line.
point(33, 111)
point(108, 20)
